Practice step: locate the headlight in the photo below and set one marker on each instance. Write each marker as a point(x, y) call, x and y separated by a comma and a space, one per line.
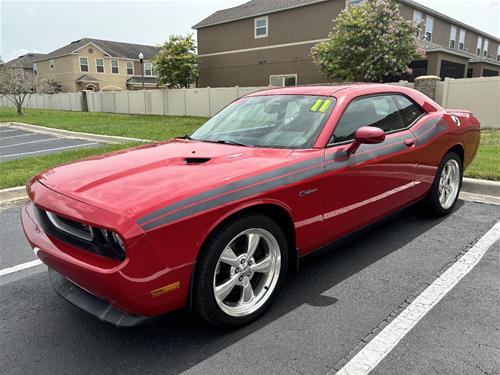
point(118, 240)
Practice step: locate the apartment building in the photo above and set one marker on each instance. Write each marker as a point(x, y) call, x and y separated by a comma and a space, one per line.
point(268, 42)
point(99, 65)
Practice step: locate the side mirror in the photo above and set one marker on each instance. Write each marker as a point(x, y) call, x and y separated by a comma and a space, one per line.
point(366, 135)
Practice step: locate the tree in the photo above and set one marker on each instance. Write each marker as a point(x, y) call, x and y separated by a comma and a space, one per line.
point(49, 86)
point(177, 62)
point(16, 87)
point(368, 42)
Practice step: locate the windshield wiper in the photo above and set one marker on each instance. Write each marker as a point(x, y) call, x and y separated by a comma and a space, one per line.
point(234, 143)
point(185, 137)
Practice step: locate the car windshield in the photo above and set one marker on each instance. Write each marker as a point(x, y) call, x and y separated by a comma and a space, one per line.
point(276, 121)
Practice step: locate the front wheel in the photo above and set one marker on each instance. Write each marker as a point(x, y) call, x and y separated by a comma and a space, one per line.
point(447, 184)
point(240, 270)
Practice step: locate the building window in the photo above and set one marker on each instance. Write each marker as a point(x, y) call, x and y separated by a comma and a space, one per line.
point(114, 67)
point(35, 69)
point(84, 64)
point(99, 65)
point(453, 36)
point(149, 70)
point(283, 80)
point(417, 20)
point(261, 27)
point(461, 41)
point(486, 47)
point(51, 64)
point(479, 45)
point(130, 68)
point(498, 53)
point(429, 26)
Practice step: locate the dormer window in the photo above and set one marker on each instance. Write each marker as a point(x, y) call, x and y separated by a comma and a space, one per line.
point(261, 27)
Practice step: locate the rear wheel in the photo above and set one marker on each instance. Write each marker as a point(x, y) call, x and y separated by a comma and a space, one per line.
point(240, 270)
point(447, 184)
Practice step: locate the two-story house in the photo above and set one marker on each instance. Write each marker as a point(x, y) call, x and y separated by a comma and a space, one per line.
point(268, 42)
point(23, 65)
point(99, 65)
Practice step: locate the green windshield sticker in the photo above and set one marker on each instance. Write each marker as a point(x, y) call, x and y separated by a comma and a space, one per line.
point(316, 105)
point(325, 106)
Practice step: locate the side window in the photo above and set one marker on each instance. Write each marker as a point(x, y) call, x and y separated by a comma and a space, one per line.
point(379, 111)
point(410, 112)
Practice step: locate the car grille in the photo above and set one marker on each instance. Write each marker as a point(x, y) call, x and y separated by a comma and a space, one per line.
point(83, 236)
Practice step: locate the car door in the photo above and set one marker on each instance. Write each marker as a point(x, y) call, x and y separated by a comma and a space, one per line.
point(377, 179)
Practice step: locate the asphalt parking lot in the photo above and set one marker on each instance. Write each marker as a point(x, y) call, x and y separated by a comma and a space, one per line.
point(17, 143)
point(339, 301)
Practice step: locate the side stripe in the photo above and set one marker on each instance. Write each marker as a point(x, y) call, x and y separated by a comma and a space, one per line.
point(281, 177)
point(229, 187)
point(290, 179)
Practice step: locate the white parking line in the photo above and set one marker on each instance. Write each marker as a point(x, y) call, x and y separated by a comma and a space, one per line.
point(17, 136)
point(28, 143)
point(383, 343)
point(8, 131)
point(49, 149)
point(20, 267)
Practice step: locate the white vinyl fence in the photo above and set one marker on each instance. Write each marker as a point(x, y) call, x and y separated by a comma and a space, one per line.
point(180, 102)
point(66, 102)
point(479, 95)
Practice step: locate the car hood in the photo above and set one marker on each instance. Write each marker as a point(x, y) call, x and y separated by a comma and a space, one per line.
point(134, 181)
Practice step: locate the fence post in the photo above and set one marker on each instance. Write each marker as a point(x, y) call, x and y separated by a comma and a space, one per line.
point(427, 85)
point(446, 91)
point(85, 103)
point(209, 102)
point(185, 101)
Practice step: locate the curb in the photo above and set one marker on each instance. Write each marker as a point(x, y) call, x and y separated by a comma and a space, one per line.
point(472, 187)
point(74, 135)
point(12, 195)
point(483, 187)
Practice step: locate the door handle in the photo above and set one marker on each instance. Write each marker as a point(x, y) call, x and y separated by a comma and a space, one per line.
point(410, 142)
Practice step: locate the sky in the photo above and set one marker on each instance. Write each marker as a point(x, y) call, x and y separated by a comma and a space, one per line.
point(43, 26)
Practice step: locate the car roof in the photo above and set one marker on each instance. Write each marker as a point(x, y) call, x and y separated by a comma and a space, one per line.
point(329, 90)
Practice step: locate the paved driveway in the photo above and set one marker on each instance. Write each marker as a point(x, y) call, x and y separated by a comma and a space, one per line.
point(16, 143)
point(323, 316)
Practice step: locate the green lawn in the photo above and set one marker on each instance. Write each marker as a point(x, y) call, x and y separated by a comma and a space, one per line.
point(134, 126)
point(17, 172)
point(487, 162)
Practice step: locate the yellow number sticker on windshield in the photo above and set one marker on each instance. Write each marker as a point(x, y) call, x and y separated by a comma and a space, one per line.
point(316, 105)
point(325, 106)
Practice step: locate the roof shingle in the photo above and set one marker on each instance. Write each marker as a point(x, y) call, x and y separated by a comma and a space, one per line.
point(24, 61)
point(251, 9)
point(114, 49)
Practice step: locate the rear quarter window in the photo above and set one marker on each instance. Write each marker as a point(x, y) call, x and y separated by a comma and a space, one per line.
point(410, 112)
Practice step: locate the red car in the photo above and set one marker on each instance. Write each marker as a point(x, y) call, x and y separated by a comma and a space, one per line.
point(214, 221)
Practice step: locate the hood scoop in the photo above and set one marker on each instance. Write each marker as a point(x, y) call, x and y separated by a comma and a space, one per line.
point(196, 161)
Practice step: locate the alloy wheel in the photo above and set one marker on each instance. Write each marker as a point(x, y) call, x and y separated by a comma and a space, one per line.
point(247, 272)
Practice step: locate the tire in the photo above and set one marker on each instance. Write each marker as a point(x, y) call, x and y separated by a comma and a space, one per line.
point(438, 204)
point(251, 290)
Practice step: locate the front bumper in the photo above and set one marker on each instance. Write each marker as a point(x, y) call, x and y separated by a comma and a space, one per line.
point(130, 286)
point(86, 301)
